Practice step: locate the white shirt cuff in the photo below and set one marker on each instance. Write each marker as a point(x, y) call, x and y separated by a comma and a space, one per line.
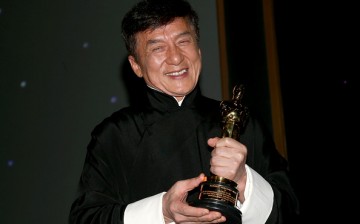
point(256, 208)
point(259, 198)
point(147, 210)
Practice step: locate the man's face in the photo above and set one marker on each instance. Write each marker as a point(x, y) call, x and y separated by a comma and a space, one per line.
point(169, 58)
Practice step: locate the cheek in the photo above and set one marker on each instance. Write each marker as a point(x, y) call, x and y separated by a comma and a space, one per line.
point(156, 61)
point(152, 69)
point(197, 63)
point(195, 55)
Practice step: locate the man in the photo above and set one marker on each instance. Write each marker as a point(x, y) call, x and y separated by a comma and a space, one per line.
point(144, 162)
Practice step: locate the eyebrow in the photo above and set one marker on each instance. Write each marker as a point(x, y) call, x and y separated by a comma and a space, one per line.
point(154, 41)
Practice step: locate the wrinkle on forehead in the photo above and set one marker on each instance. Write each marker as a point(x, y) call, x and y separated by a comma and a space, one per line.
point(166, 30)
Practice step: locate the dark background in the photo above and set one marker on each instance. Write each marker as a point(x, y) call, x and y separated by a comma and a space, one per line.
point(63, 69)
point(317, 44)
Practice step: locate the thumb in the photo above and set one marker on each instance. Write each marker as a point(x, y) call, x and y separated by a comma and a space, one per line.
point(212, 141)
point(194, 182)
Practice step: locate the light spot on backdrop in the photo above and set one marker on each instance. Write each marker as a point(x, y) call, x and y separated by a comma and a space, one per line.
point(85, 45)
point(10, 163)
point(23, 84)
point(113, 99)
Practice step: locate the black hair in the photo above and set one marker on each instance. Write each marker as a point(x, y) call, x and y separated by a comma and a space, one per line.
point(152, 14)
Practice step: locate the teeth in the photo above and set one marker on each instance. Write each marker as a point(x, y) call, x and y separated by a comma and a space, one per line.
point(177, 73)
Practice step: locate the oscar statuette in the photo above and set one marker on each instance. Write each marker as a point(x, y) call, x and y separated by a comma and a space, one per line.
point(219, 193)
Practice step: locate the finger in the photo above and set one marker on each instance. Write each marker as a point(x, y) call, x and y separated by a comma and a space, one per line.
point(195, 216)
point(212, 141)
point(194, 182)
point(192, 212)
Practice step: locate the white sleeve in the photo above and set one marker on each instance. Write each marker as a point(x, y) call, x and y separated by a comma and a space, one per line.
point(256, 208)
point(259, 198)
point(147, 210)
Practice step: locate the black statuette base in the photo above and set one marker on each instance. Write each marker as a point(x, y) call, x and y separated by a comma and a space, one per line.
point(220, 194)
point(232, 214)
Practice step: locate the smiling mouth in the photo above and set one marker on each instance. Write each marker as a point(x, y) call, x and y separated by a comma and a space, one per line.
point(177, 73)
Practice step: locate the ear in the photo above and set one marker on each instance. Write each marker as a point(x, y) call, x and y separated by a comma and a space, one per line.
point(135, 66)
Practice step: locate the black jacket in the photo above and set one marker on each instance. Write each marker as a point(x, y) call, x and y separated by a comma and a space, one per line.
point(142, 150)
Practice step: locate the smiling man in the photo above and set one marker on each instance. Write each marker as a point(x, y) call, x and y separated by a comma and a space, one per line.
point(145, 163)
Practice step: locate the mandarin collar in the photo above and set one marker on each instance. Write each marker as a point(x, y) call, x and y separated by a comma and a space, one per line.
point(164, 102)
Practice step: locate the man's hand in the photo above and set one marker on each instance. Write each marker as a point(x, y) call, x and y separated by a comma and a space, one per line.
point(228, 160)
point(176, 209)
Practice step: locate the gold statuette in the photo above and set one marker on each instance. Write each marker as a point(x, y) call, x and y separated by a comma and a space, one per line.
point(218, 193)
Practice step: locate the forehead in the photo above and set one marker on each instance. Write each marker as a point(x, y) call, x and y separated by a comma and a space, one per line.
point(177, 27)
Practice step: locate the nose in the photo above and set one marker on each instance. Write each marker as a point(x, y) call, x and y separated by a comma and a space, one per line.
point(174, 55)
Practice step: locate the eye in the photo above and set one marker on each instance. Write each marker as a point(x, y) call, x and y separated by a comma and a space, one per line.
point(157, 48)
point(184, 42)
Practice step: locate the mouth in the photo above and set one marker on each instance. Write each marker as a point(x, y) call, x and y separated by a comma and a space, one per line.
point(179, 73)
